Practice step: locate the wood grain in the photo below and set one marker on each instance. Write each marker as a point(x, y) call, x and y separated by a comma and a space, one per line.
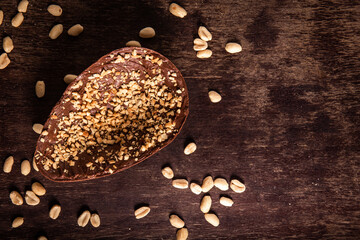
point(288, 124)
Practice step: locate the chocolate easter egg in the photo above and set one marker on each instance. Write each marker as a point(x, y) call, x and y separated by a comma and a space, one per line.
point(122, 109)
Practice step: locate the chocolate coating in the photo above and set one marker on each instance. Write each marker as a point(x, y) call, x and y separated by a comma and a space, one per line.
point(174, 82)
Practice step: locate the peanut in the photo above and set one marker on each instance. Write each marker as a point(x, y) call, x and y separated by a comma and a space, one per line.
point(17, 20)
point(31, 198)
point(84, 218)
point(17, 222)
point(38, 189)
point(75, 30)
point(95, 220)
point(205, 204)
point(212, 219)
point(204, 34)
point(16, 198)
point(167, 172)
point(141, 212)
point(195, 188)
point(55, 211)
point(55, 10)
point(227, 202)
point(176, 221)
point(23, 5)
point(177, 10)
point(8, 164)
point(214, 97)
point(180, 183)
point(1, 17)
point(147, 32)
point(8, 44)
point(25, 167)
point(4, 60)
point(190, 148)
point(34, 165)
point(207, 184)
point(56, 31)
point(204, 53)
point(221, 184)
point(182, 234)
point(69, 78)
point(40, 89)
point(200, 44)
point(37, 127)
point(237, 186)
point(233, 47)
point(133, 43)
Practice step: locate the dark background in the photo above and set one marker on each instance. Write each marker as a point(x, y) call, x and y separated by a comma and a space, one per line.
point(287, 124)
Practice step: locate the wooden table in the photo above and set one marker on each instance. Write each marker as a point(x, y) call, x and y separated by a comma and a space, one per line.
point(288, 124)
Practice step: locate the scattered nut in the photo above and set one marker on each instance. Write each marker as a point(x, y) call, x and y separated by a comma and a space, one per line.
point(95, 220)
point(4, 60)
point(38, 189)
point(69, 78)
point(200, 44)
point(25, 167)
point(190, 148)
point(227, 202)
point(37, 127)
point(17, 20)
point(207, 184)
point(55, 10)
point(34, 165)
point(167, 172)
point(8, 44)
point(1, 17)
point(23, 5)
point(55, 211)
point(233, 47)
point(214, 97)
point(237, 186)
point(176, 221)
point(75, 30)
point(17, 222)
point(195, 188)
point(212, 219)
point(180, 183)
point(8, 164)
point(42, 238)
point(133, 43)
point(40, 89)
point(56, 31)
point(182, 234)
point(141, 212)
point(31, 198)
point(16, 198)
point(205, 204)
point(84, 218)
point(204, 53)
point(147, 32)
point(177, 10)
point(221, 184)
point(204, 34)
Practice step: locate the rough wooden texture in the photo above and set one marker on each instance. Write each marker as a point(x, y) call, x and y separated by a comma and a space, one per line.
point(288, 124)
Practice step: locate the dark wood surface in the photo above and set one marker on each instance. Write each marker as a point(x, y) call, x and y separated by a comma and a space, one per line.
point(288, 124)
